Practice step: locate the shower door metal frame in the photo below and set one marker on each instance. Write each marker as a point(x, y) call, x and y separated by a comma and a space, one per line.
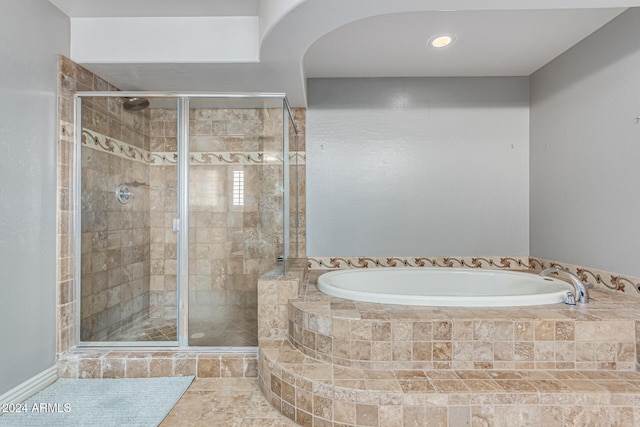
point(182, 302)
point(182, 289)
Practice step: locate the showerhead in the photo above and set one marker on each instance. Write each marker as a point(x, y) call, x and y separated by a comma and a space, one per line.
point(135, 104)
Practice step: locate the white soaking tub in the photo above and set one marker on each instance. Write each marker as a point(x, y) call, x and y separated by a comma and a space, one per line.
point(453, 287)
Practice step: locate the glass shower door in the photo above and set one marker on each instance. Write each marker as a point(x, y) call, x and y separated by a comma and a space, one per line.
point(127, 200)
point(181, 207)
point(235, 214)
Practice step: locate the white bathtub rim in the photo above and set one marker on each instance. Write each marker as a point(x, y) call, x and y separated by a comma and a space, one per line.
point(555, 297)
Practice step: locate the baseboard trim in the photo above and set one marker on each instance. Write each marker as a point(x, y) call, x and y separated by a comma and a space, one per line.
point(31, 386)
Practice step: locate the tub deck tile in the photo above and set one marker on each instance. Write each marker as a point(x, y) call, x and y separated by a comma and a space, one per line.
point(600, 335)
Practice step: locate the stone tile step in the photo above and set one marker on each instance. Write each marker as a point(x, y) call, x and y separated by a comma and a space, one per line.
point(313, 392)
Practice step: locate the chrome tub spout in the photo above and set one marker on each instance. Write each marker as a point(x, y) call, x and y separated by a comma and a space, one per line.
point(582, 290)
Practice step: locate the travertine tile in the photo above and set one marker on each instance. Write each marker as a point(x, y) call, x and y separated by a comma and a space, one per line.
point(485, 343)
point(442, 330)
point(137, 368)
point(390, 415)
point(462, 330)
point(224, 403)
point(208, 367)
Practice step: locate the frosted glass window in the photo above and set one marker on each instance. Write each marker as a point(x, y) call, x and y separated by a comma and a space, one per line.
point(238, 188)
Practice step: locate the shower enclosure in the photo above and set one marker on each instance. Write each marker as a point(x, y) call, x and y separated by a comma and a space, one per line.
point(182, 201)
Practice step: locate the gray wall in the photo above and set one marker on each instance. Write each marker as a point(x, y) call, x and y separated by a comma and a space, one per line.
point(33, 32)
point(585, 151)
point(418, 166)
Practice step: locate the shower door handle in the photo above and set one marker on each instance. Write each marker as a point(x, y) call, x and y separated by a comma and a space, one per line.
point(176, 225)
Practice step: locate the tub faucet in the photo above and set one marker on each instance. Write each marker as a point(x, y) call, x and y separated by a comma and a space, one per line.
point(582, 290)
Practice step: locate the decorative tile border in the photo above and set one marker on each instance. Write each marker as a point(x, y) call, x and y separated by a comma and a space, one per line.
point(122, 149)
point(509, 263)
point(609, 280)
point(113, 146)
point(612, 281)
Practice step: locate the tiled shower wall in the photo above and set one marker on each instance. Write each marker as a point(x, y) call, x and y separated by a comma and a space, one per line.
point(231, 244)
point(100, 117)
point(164, 208)
point(65, 300)
point(298, 184)
point(115, 236)
point(115, 244)
point(160, 198)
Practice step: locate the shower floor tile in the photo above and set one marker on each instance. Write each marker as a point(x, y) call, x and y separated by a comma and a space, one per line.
point(236, 329)
point(148, 330)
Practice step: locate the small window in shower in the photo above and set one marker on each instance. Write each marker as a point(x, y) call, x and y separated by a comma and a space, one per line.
point(238, 188)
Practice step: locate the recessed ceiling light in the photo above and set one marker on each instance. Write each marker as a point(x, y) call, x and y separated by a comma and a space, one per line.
point(441, 40)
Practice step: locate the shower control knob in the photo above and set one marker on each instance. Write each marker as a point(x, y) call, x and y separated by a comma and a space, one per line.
point(123, 194)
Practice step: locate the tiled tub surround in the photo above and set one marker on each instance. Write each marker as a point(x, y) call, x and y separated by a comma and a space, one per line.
point(275, 289)
point(348, 363)
point(600, 336)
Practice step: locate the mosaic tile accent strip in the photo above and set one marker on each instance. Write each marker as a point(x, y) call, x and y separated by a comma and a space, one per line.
point(113, 146)
point(616, 282)
point(224, 158)
point(122, 149)
point(606, 279)
point(508, 263)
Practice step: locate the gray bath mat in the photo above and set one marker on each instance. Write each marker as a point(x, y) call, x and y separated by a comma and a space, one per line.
point(130, 402)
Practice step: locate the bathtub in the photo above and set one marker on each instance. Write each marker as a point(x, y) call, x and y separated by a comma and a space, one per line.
point(453, 287)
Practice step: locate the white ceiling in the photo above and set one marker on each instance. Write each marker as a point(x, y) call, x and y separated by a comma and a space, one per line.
point(486, 43)
point(360, 38)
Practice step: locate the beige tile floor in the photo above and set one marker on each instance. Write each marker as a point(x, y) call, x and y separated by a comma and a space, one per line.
point(236, 328)
point(229, 402)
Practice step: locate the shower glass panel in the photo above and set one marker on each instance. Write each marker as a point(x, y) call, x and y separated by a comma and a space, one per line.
point(128, 199)
point(296, 221)
point(180, 206)
point(236, 213)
